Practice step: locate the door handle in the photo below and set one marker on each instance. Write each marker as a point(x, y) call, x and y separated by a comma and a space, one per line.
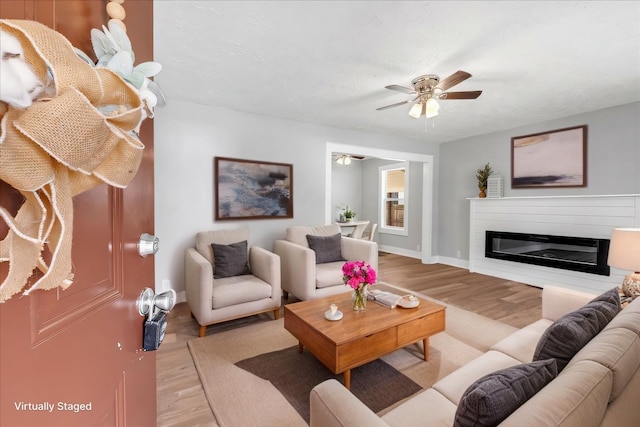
point(148, 245)
point(149, 303)
point(155, 308)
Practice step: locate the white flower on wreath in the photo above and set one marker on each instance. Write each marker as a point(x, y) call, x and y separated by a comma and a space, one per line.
point(113, 49)
point(19, 86)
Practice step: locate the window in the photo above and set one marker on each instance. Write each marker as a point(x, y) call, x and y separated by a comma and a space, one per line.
point(394, 200)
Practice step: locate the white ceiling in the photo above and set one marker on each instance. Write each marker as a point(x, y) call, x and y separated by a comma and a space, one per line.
point(327, 62)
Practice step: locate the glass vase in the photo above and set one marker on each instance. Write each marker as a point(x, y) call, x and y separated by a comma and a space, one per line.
point(359, 299)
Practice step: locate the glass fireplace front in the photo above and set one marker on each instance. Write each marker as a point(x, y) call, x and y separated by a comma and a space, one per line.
point(570, 253)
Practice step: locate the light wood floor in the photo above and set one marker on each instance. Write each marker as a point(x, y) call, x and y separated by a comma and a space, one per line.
point(513, 303)
point(181, 399)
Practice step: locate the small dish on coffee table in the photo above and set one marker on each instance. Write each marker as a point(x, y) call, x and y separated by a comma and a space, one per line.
point(409, 301)
point(333, 316)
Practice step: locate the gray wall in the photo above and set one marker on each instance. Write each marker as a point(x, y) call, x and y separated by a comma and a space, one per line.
point(613, 167)
point(346, 189)
point(188, 137)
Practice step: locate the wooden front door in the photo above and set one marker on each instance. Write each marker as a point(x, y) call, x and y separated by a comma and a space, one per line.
point(73, 357)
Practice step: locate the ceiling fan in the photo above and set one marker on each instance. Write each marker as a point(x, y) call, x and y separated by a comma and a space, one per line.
point(345, 159)
point(428, 89)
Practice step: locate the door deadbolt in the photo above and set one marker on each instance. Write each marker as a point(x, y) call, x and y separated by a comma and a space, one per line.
point(148, 245)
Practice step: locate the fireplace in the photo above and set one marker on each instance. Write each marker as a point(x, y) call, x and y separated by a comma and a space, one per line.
point(583, 254)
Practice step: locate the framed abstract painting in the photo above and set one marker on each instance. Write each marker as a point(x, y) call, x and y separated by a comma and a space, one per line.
point(249, 189)
point(556, 158)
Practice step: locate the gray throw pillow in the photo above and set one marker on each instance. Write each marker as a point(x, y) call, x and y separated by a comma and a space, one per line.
point(230, 260)
point(611, 296)
point(327, 248)
point(567, 335)
point(492, 398)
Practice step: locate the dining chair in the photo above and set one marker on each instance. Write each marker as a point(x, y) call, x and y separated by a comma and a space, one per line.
point(359, 229)
point(369, 234)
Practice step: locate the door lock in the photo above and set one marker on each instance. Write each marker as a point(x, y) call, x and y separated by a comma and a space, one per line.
point(154, 308)
point(148, 302)
point(148, 245)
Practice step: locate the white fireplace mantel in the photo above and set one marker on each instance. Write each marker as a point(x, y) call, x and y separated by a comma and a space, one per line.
point(577, 216)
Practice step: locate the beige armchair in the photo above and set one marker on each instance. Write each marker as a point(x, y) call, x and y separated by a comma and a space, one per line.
point(252, 285)
point(303, 277)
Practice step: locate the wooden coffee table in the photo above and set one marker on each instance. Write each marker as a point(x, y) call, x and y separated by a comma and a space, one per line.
point(360, 337)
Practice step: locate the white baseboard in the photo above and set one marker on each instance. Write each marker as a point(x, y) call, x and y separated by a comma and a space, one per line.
point(455, 262)
point(181, 297)
point(436, 259)
point(400, 251)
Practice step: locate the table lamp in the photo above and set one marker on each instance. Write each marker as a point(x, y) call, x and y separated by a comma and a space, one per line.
point(624, 253)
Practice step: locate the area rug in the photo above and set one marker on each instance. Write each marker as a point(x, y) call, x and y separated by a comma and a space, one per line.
point(377, 384)
point(240, 398)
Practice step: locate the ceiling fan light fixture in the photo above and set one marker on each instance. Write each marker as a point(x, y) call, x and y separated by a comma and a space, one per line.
point(432, 108)
point(428, 89)
point(416, 110)
point(343, 160)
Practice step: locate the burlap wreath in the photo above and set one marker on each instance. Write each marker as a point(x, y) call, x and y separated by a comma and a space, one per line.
point(58, 148)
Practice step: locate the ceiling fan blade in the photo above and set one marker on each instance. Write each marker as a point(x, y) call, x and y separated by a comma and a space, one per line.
point(455, 78)
point(472, 94)
point(401, 89)
point(392, 105)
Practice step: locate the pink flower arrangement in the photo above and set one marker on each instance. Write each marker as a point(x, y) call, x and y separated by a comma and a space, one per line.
point(357, 274)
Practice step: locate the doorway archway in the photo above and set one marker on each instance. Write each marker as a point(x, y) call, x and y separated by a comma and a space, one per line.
point(427, 187)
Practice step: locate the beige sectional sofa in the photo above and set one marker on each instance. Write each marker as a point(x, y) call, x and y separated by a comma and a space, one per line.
point(600, 386)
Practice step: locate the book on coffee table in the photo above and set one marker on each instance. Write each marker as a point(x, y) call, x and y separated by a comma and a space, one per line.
point(387, 299)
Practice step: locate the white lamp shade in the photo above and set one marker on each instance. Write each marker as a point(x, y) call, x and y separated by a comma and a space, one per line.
point(624, 249)
point(343, 160)
point(416, 110)
point(432, 108)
